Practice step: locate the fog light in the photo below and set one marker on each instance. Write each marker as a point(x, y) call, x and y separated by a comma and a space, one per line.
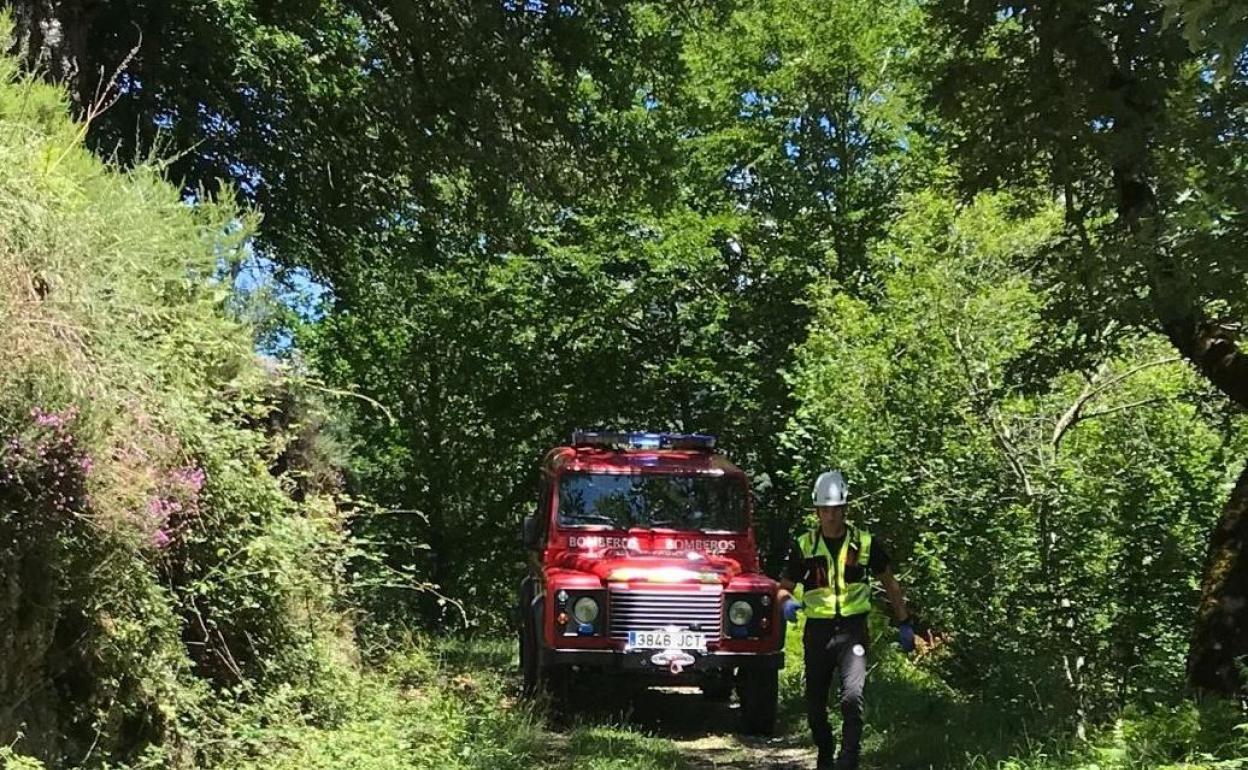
point(585, 610)
point(562, 618)
point(740, 613)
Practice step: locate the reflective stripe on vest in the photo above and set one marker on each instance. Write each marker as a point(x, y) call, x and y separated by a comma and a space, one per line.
point(838, 598)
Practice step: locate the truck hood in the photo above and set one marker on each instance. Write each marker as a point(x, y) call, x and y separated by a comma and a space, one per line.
point(623, 566)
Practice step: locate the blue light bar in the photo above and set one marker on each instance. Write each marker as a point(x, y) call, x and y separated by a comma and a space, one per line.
point(701, 442)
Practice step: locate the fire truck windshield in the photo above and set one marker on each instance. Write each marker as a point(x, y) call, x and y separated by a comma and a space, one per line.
point(652, 501)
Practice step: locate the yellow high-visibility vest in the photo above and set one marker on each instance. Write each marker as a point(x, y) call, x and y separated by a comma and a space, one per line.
point(838, 598)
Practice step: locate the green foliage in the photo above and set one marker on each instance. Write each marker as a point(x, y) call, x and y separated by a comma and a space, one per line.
point(13, 761)
point(532, 217)
point(1133, 113)
point(151, 561)
point(428, 704)
point(1047, 536)
point(663, 298)
point(1220, 26)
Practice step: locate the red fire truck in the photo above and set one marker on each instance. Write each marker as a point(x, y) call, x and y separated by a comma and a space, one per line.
point(642, 562)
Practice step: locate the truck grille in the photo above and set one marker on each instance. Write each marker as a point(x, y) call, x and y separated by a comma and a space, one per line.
point(633, 610)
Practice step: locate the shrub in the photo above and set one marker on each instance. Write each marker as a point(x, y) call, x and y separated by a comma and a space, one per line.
point(163, 558)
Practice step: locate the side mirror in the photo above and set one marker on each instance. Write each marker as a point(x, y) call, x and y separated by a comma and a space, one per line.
point(530, 533)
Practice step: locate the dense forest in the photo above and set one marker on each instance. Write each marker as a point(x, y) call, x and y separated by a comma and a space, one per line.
point(295, 295)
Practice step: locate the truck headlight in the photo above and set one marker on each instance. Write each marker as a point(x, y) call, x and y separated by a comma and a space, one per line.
point(740, 613)
point(585, 610)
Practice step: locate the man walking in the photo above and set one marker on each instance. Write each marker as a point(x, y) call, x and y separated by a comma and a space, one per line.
point(832, 562)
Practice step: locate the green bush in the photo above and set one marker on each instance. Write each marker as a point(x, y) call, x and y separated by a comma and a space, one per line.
point(164, 562)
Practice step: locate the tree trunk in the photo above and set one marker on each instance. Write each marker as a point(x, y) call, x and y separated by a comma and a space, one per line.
point(51, 37)
point(1220, 636)
point(1220, 633)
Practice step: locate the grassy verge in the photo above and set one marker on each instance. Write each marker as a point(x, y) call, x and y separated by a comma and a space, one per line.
point(916, 720)
point(435, 704)
point(454, 704)
point(444, 703)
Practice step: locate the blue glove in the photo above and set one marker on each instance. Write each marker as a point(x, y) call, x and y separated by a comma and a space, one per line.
point(791, 606)
point(906, 630)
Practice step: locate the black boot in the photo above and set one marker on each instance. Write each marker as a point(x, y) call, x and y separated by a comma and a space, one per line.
point(846, 762)
point(825, 760)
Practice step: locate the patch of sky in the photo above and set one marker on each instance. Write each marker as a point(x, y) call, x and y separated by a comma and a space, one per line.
point(1227, 135)
point(296, 288)
point(258, 276)
point(248, 178)
point(128, 84)
point(755, 104)
point(740, 178)
point(250, 94)
point(1102, 125)
point(644, 230)
point(214, 122)
point(525, 6)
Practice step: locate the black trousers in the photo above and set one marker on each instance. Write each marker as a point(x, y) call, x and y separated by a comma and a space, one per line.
point(832, 647)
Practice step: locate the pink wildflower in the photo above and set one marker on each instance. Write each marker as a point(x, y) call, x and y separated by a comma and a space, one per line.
point(192, 478)
point(53, 419)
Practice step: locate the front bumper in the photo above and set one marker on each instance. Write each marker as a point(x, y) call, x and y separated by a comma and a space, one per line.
point(640, 660)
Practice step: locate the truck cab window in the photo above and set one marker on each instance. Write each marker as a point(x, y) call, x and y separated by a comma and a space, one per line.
point(651, 501)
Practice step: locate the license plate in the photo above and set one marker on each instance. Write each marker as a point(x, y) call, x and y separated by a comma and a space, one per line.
point(663, 639)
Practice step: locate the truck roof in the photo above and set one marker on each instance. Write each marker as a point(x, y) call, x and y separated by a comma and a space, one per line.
point(605, 460)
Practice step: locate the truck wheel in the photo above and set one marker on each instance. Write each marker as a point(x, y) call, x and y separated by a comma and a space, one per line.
point(717, 689)
point(556, 683)
point(528, 662)
point(537, 679)
point(530, 680)
point(759, 690)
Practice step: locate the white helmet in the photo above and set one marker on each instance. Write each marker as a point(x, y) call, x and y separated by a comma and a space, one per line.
point(829, 489)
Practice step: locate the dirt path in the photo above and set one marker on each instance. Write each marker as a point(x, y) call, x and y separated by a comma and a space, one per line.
point(705, 732)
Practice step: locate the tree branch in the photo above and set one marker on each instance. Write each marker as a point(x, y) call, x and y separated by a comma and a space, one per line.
point(1074, 416)
point(1210, 347)
point(1125, 407)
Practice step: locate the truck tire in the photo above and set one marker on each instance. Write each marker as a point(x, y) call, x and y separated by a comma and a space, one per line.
point(555, 682)
point(759, 691)
point(717, 689)
point(528, 661)
point(538, 679)
point(527, 635)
